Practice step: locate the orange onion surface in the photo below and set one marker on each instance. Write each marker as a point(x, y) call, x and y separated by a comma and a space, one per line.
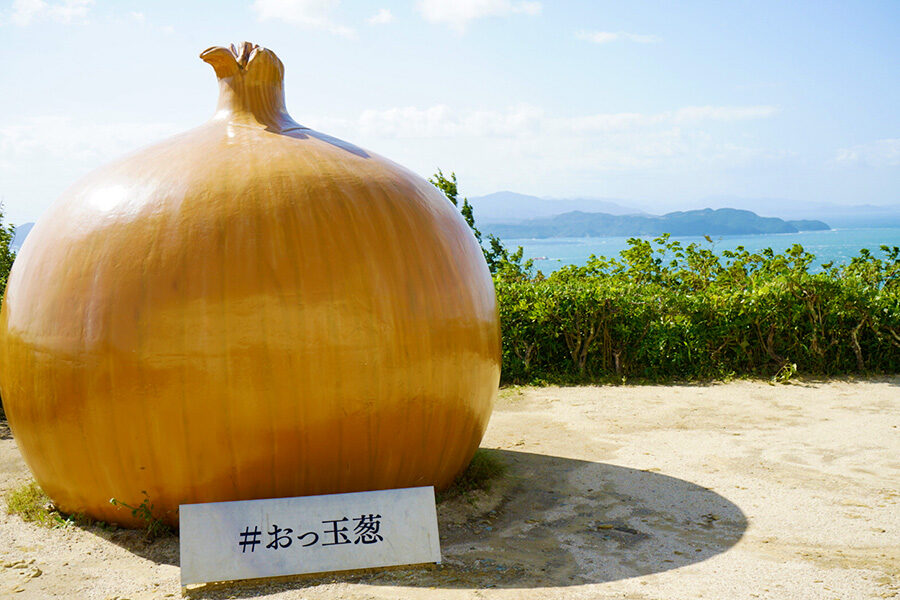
point(251, 309)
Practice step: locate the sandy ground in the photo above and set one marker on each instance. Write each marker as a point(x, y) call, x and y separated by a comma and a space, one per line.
point(736, 490)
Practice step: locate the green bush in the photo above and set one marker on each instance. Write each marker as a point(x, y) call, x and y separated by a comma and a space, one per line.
point(666, 311)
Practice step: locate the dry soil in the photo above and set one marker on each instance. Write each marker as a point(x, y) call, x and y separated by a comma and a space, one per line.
point(734, 490)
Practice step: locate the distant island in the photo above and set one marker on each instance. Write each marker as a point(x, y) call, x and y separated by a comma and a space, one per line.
point(722, 221)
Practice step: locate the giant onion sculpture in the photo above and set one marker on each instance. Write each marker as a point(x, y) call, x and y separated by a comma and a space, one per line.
point(251, 309)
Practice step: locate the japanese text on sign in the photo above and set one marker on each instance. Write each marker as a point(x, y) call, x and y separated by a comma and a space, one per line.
point(285, 536)
point(365, 531)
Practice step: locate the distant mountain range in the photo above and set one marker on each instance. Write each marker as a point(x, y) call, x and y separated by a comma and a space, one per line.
point(22, 232)
point(723, 221)
point(511, 207)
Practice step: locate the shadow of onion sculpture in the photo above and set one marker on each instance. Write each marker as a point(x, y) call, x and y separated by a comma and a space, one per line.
point(248, 310)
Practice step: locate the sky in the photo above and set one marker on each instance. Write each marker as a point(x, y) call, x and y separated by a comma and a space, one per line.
point(654, 103)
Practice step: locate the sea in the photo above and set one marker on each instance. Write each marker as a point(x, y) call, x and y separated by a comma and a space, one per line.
point(835, 245)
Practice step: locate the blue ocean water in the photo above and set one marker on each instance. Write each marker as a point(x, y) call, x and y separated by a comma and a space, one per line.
point(836, 245)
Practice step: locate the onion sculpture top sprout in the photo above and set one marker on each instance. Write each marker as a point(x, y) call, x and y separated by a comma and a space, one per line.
point(251, 309)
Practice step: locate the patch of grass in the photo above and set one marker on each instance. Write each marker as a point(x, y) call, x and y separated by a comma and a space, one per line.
point(485, 468)
point(34, 506)
point(31, 504)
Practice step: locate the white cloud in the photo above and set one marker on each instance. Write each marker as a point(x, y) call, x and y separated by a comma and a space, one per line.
point(54, 137)
point(611, 138)
point(441, 122)
point(382, 17)
point(534, 144)
point(527, 8)
point(24, 12)
point(41, 156)
point(605, 37)
point(138, 19)
point(458, 13)
point(524, 120)
point(880, 153)
point(723, 113)
point(315, 14)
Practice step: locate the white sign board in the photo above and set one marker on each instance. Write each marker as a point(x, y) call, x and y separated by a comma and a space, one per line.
point(223, 541)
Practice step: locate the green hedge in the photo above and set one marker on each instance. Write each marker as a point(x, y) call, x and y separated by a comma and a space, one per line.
point(662, 311)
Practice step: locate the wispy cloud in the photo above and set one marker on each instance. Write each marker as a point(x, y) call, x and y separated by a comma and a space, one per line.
point(382, 17)
point(880, 153)
point(26, 12)
point(524, 120)
point(723, 113)
point(606, 37)
point(459, 13)
point(140, 19)
point(315, 14)
point(441, 121)
point(57, 137)
point(536, 144)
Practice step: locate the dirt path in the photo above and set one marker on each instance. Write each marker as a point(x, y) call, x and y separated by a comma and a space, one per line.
point(738, 490)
